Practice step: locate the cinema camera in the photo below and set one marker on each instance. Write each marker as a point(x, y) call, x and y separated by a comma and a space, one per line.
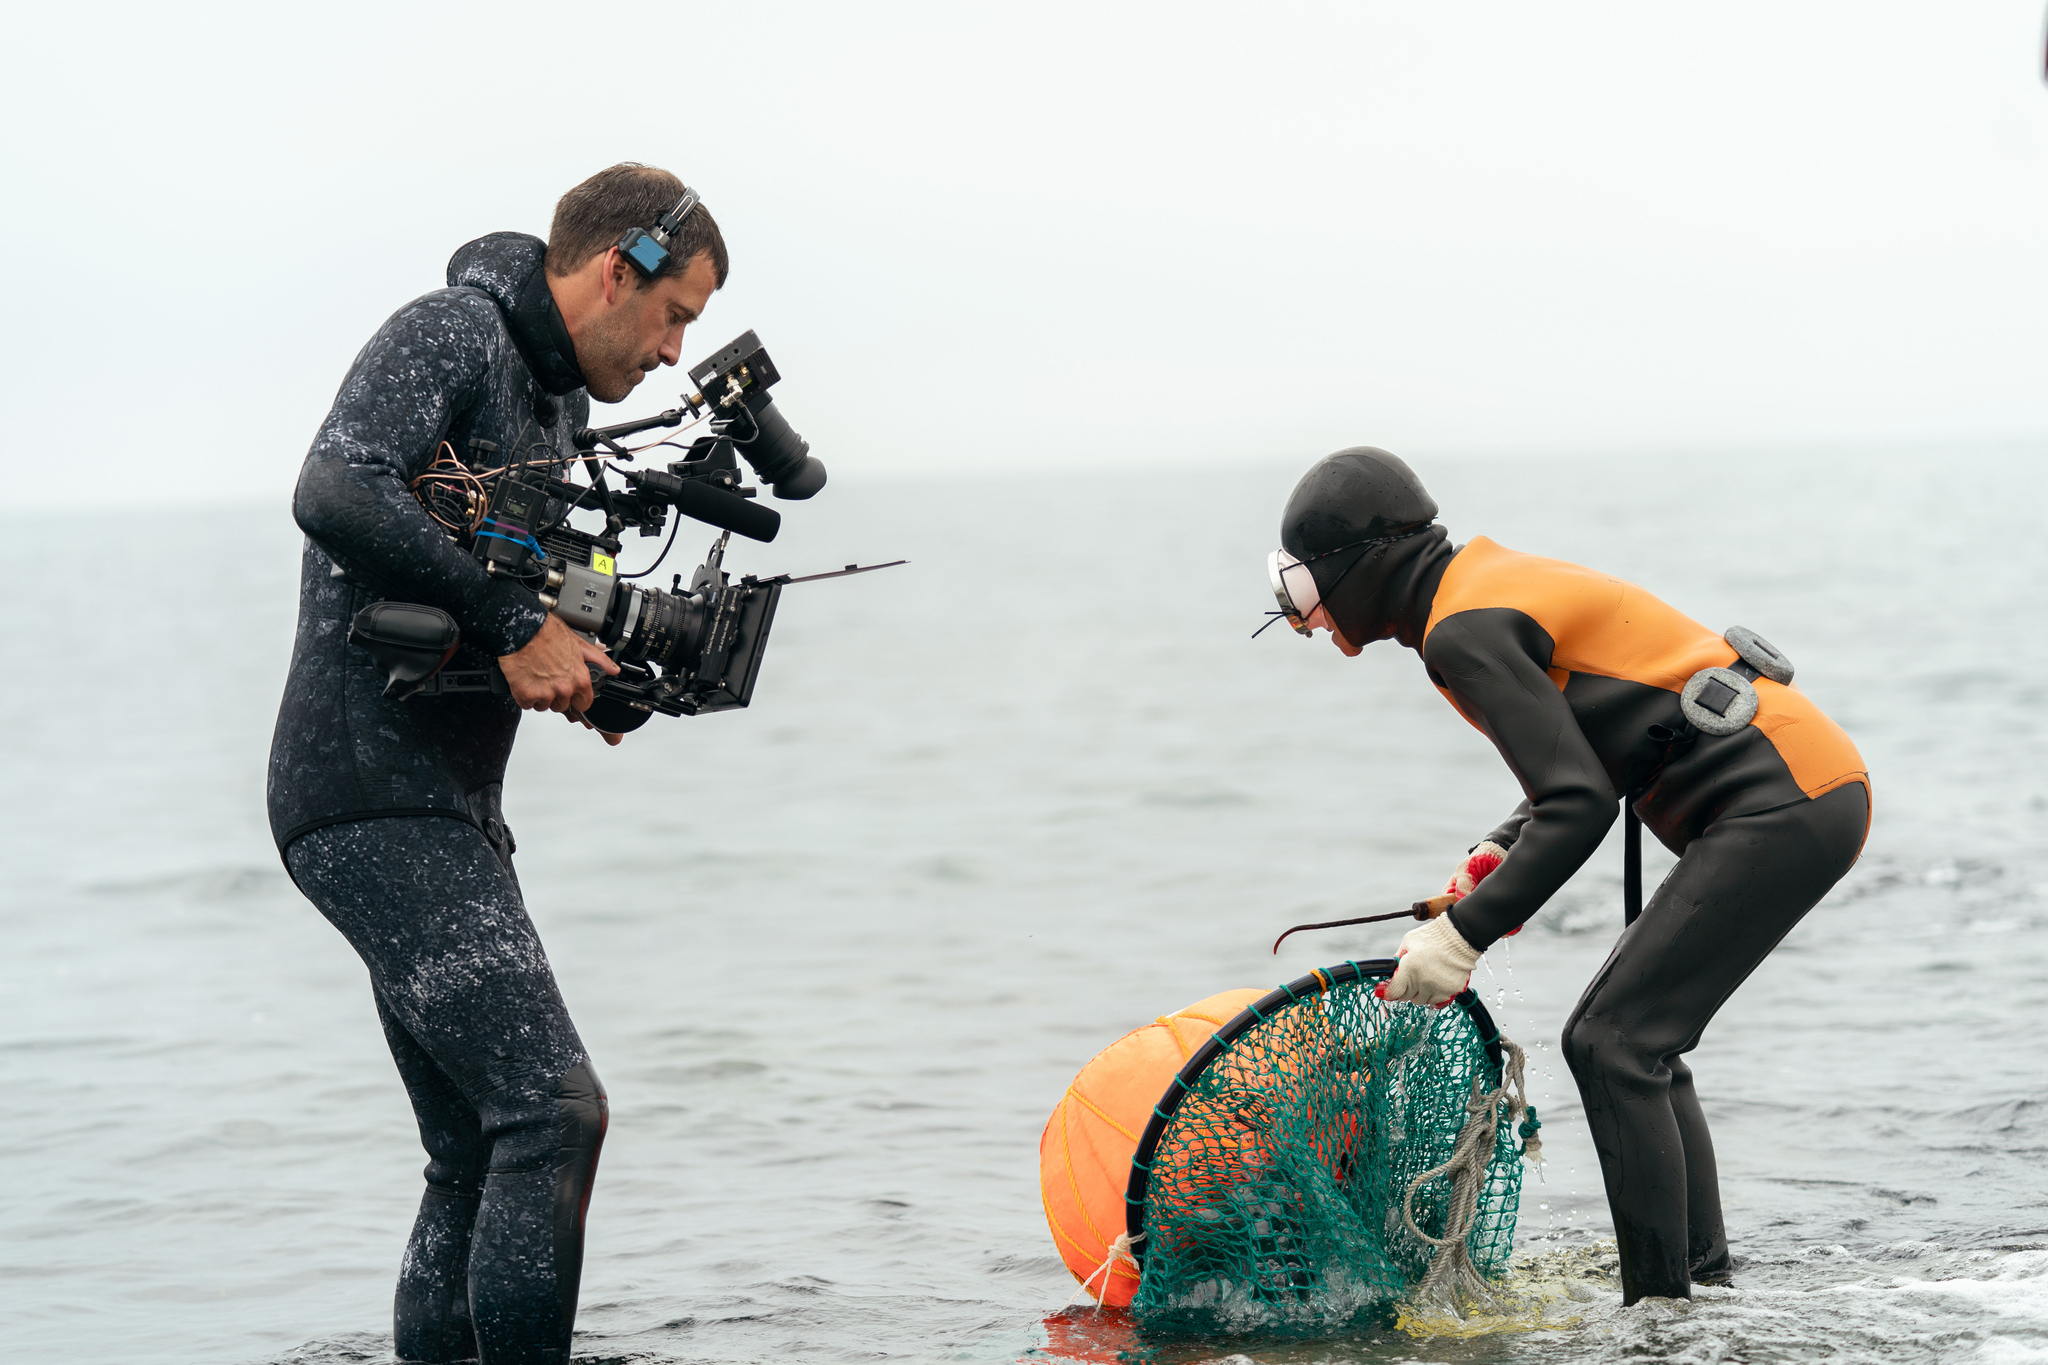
point(680, 652)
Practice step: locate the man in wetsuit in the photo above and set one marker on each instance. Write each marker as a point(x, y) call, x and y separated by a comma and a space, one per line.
point(1595, 692)
point(387, 813)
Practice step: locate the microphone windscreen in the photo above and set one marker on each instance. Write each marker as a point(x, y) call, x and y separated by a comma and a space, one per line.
point(727, 511)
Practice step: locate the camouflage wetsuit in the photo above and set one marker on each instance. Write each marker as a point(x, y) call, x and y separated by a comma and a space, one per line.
point(388, 817)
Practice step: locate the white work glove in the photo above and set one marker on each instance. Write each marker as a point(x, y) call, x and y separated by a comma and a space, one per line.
point(1436, 963)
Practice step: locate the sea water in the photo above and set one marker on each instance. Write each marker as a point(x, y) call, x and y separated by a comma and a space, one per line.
point(836, 956)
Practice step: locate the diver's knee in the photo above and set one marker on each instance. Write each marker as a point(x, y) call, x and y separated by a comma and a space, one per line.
point(1594, 1047)
point(1577, 1044)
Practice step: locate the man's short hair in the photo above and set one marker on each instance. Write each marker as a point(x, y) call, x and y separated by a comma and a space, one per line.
point(592, 217)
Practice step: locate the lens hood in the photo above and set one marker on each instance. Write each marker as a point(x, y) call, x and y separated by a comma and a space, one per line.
point(781, 457)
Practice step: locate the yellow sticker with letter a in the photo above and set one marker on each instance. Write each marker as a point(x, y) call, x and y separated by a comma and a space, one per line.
point(602, 563)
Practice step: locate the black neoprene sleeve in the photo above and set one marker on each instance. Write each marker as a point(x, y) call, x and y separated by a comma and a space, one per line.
point(396, 405)
point(1510, 829)
point(1493, 663)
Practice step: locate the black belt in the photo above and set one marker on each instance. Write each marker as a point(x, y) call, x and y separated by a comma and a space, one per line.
point(1717, 697)
point(448, 680)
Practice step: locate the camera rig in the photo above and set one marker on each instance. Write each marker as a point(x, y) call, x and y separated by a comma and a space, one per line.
point(679, 652)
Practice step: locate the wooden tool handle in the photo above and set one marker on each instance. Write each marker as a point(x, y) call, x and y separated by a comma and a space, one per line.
point(1434, 906)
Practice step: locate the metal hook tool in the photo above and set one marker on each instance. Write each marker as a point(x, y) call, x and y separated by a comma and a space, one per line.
point(1428, 909)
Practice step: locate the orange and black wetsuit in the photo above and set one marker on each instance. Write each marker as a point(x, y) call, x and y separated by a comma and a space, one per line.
point(1575, 677)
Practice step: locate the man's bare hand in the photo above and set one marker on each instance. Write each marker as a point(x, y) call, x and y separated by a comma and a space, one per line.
point(609, 737)
point(551, 672)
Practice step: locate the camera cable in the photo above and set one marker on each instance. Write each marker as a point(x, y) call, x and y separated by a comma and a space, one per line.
point(676, 524)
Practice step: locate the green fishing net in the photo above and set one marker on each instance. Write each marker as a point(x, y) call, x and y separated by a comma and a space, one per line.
point(1269, 1197)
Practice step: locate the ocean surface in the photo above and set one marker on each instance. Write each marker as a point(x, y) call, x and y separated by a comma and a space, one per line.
point(837, 956)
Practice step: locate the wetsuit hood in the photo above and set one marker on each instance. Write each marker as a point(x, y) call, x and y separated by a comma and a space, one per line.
point(1353, 495)
point(1365, 526)
point(508, 267)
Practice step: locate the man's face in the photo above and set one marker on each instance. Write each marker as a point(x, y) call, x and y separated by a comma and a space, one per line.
point(638, 329)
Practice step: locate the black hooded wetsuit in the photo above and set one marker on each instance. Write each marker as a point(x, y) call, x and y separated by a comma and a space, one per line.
point(387, 813)
point(1575, 678)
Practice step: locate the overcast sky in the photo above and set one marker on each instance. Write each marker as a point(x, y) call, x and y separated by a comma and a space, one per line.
point(983, 236)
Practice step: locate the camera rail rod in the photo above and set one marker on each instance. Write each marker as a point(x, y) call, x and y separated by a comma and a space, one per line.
point(589, 438)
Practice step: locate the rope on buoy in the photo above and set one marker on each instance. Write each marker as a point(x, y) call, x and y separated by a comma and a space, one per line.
point(1120, 1249)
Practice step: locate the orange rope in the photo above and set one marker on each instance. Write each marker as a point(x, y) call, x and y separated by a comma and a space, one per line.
point(1097, 1110)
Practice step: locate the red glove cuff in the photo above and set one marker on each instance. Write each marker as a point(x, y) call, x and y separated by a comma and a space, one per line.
point(1474, 869)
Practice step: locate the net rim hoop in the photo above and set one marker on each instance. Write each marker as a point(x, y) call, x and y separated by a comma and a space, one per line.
point(1137, 1192)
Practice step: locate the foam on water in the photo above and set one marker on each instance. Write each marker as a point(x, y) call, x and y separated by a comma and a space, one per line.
point(1913, 1302)
point(837, 956)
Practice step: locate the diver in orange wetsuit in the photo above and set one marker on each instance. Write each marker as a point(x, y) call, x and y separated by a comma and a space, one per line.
point(1594, 692)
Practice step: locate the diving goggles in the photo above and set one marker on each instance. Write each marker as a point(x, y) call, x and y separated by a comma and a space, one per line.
point(1294, 588)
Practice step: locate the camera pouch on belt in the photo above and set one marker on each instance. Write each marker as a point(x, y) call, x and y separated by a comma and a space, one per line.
point(1720, 701)
point(408, 641)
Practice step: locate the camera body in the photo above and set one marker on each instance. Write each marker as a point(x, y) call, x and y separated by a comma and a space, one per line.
point(681, 651)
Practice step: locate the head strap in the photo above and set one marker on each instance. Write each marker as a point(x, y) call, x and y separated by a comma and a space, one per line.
point(1402, 534)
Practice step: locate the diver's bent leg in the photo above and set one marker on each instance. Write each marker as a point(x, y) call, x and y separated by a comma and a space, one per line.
point(1737, 891)
point(1706, 1240)
point(433, 910)
point(1626, 1095)
point(430, 1317)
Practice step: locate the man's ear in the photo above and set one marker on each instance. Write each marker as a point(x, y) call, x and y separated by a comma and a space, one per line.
point(617, 275)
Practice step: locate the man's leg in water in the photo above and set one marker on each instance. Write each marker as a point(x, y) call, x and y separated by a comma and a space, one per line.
point(430, 1320)
point(1737, 891)
point(476, 1022)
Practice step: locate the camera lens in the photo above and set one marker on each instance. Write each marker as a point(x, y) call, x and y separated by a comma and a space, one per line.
point(666, 630)
point(648, 626)
point(780, 456)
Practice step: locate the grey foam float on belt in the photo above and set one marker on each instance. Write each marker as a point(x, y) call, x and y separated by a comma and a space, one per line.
point(1720, 701)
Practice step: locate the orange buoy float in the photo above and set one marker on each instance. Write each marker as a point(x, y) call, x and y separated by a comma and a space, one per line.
point(1084, 1158)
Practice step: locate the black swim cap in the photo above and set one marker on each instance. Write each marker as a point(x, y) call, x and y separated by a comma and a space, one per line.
point(1355, 495)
